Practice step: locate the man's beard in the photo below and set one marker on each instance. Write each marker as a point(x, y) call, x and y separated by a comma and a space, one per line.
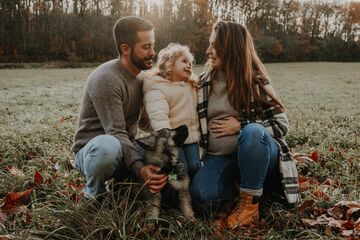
point(140, 63)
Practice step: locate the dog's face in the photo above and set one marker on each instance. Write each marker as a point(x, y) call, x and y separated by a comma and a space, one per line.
point(160, 146)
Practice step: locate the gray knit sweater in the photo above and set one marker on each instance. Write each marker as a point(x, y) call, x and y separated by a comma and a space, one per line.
point(219, 108)
point(111, 104)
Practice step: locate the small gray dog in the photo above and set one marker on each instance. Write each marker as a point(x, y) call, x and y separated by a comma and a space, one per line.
point(162, 149)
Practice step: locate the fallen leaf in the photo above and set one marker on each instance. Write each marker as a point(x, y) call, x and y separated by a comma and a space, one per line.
point(318, 211)
point(306, 204)
point(351, 209)
point(306, 183)
point(335, 223)
point(357, 225)
point(15, 198)
point(332, 148)
point(38, 178)
point(75, 192)
point(347, 233)
point(353, 212)
point(315, 156)
point(320, 193)
point(313, 223)
point(348, 225)
point(301, 158)
point(77, 197)
point(349, 204)
point(303, 183)
point(336, 212)
point(304, 186)
point(75, 187)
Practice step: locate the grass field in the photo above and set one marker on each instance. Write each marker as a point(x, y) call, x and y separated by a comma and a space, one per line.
point(38, 112)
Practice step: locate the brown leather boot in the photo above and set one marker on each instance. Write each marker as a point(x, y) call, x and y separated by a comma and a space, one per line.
point(246, 212)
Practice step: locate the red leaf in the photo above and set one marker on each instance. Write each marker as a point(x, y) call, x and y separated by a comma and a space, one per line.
point(38, 178)
point(331, 148)
point(75, 187)
point(77, 197)
point(302, 179)
point(318, 211)
point(315, 156)
point(15, 198)
point(306, 204)
point(318, 193)
point(305, 183)
point(348, 225)
point(304, 186)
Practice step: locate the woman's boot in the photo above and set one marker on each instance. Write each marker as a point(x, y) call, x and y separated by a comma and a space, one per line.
point(246, 212)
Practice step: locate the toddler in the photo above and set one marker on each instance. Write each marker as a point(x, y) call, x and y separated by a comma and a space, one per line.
point(170, 99)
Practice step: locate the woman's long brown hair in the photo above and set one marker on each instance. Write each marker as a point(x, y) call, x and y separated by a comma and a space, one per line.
point(241, 64)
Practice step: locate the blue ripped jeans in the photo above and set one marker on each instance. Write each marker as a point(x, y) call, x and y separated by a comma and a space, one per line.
point(254, 167)
point(101, 159)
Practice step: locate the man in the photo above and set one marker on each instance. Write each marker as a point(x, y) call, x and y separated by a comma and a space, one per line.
point(110, 109)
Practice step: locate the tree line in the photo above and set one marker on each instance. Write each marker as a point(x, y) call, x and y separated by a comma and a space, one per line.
point(81, 30)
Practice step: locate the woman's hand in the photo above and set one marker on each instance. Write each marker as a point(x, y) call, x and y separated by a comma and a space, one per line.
point(225, 127)
point(152, 178)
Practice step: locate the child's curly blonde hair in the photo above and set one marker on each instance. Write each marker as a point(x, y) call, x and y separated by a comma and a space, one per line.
point(167, 58)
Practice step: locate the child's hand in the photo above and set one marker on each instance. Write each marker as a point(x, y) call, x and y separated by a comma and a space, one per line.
point(225, 127)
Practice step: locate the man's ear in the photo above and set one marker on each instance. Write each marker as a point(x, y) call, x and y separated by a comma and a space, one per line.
point(179, 135)
point(125, 49)
point(148, 143)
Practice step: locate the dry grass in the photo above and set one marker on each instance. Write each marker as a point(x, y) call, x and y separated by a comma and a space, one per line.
point(37, 120)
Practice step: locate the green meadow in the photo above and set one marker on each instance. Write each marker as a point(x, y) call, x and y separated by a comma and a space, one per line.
point(38, 113)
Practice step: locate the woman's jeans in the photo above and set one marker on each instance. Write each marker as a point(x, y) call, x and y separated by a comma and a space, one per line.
point(255, 167)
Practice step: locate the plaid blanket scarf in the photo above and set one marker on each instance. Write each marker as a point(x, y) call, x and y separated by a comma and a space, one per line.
point(270, 118)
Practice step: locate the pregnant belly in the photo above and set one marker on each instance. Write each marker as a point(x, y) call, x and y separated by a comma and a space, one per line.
point(223, 145)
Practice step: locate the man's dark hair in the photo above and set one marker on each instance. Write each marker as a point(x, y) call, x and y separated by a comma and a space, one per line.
point(125, 30)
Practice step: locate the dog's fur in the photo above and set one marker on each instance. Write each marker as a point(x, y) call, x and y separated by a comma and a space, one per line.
point(162, 149)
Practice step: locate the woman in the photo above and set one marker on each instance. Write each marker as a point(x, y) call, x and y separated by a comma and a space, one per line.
point(242, 124)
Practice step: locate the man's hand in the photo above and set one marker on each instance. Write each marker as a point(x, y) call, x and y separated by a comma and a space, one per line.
point(152, 179)
point(225, 127)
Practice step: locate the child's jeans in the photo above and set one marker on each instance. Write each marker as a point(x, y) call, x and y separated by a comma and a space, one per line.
point(190, 156)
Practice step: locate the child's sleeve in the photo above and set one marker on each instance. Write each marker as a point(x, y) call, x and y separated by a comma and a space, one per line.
point(157, 108)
